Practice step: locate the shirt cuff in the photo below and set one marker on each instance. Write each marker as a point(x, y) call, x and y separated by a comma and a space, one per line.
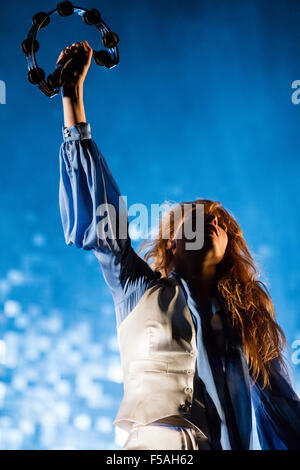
point(80, 131)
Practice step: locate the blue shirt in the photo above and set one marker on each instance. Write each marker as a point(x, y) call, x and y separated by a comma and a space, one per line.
point(86, 183)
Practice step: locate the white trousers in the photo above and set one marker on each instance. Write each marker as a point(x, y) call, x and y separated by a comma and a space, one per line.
point(158, 436)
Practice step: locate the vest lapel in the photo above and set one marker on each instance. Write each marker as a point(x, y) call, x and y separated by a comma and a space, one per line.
point(233, 386)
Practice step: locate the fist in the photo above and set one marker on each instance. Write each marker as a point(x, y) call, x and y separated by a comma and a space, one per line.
point(75, 71)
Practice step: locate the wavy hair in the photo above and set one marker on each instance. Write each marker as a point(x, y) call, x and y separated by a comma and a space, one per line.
point(246, 298)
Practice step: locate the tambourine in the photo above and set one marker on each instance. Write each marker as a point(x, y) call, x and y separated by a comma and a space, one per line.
point(52, 84)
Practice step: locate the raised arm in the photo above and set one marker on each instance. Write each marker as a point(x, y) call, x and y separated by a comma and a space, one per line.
point(88, 194)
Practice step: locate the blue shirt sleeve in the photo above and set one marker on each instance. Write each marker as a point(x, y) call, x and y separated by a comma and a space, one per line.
point(90, 203)
point(277, 409)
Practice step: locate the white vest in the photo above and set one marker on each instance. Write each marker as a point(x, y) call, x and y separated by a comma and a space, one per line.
point(158, 372)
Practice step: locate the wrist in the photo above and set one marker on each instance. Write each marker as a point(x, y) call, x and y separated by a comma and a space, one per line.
point(72, 98)
point(72, 92)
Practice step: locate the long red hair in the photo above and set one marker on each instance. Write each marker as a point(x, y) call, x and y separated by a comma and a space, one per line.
point(247, 299)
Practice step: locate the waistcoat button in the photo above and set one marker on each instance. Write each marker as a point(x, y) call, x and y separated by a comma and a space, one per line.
point(188, 390)
point(189, 371)
point(185, 407)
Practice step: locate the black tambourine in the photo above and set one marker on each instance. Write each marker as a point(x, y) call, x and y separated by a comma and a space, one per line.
point(51, 85)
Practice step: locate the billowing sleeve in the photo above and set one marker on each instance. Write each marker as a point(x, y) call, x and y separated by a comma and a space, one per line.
point(94, 217)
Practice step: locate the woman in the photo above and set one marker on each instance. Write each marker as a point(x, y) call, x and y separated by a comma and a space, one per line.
point(200, 346)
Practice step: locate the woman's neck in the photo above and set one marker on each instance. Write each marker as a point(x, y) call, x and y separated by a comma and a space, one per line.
point(201, 284)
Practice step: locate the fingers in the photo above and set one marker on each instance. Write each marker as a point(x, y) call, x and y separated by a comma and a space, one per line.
point(86, 44)
point(88, 50)
point(60, 56)
point(76, 48)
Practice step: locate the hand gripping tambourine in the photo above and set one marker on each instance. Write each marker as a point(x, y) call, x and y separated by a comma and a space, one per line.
point(51, 86)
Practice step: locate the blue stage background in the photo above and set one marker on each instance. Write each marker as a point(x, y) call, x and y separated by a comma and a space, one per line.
point(199, 106)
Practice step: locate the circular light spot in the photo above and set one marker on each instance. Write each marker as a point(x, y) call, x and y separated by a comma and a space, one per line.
point(82, 422)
